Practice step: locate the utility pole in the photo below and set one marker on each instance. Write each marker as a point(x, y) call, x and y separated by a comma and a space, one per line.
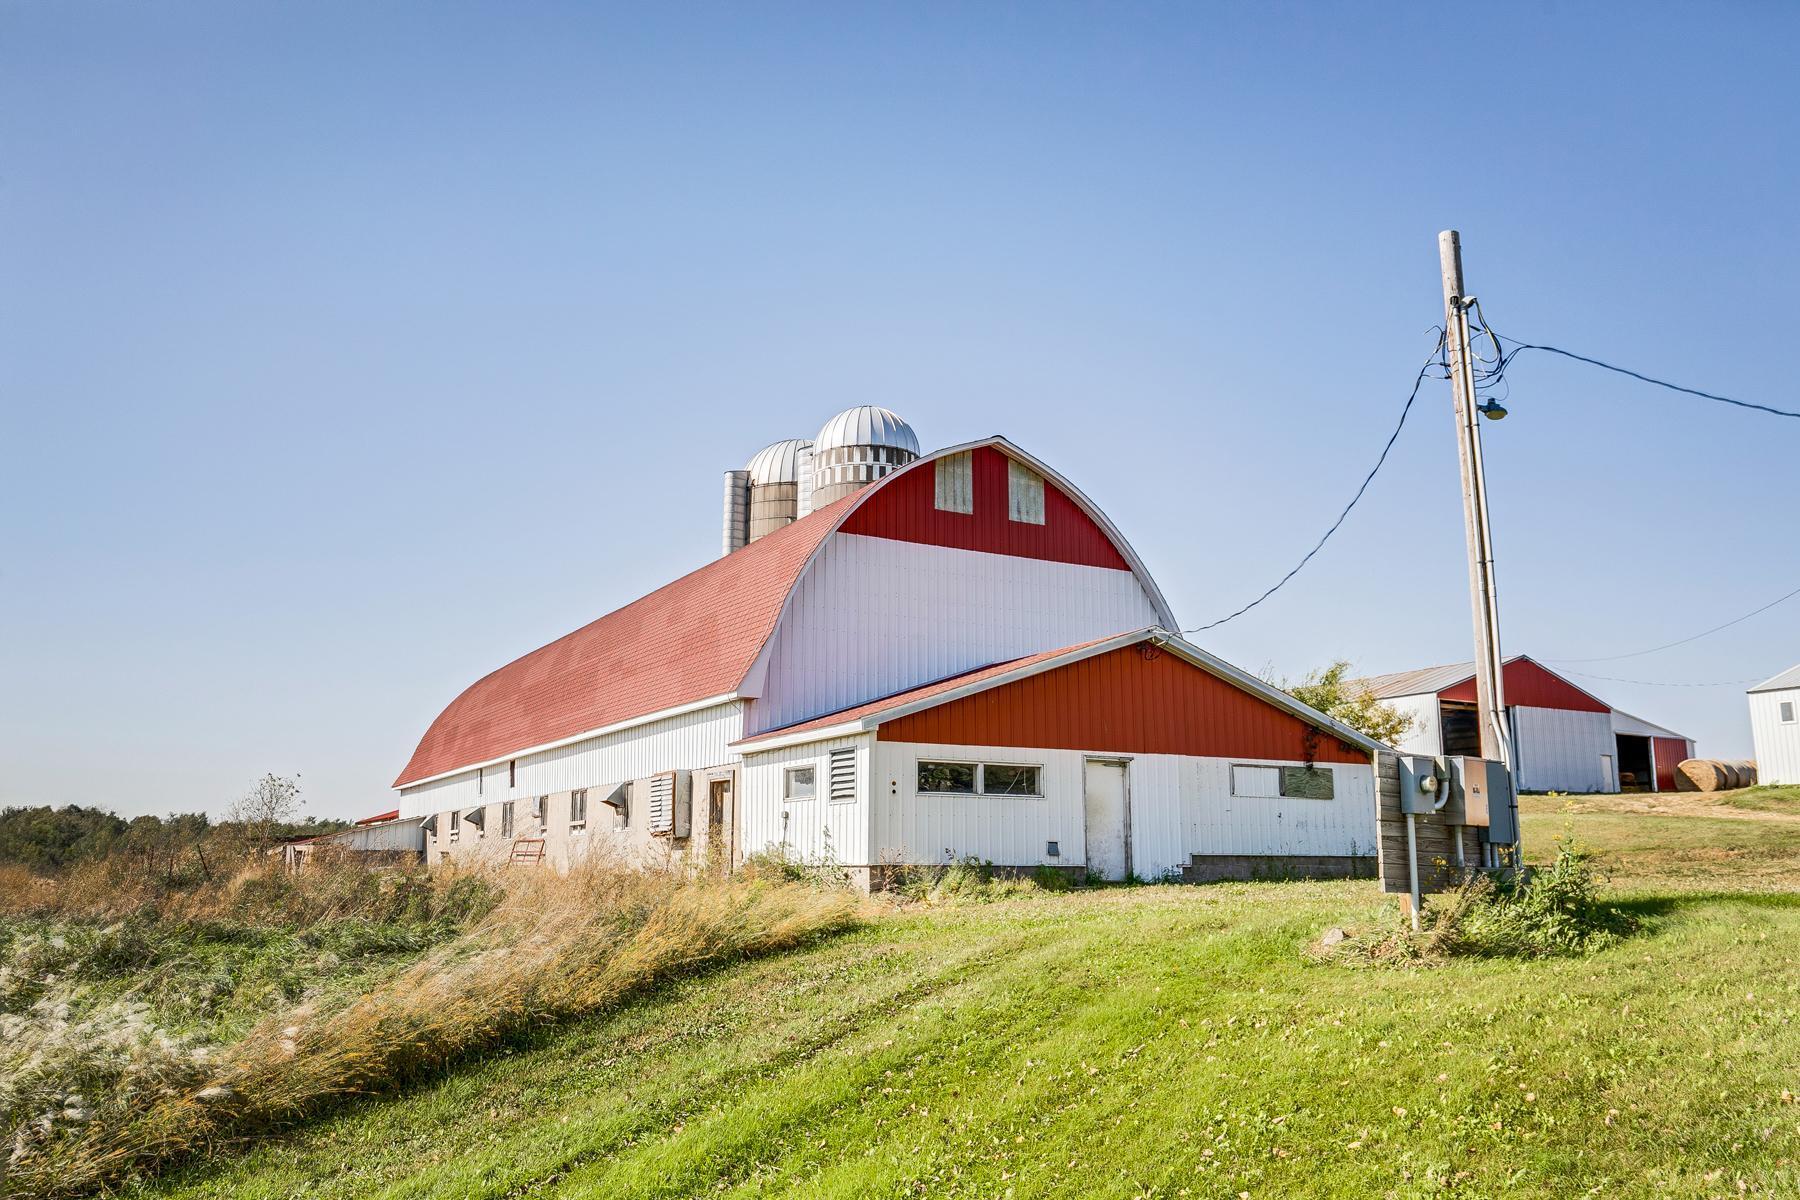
point(1490, 697)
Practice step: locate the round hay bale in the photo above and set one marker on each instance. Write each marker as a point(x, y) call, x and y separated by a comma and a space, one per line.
point(1744, 770)
point(1700, 775)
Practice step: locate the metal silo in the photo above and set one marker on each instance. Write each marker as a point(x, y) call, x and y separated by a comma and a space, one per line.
point(857, 447)
point(775, 486)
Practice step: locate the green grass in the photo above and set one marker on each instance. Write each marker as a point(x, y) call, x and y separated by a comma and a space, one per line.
point(1148, 1041)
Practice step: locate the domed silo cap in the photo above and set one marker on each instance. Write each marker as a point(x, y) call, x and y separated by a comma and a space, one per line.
point(778, 462)
point(867, 425)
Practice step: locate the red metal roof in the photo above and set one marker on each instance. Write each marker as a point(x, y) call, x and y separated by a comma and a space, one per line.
point(686, 641)
point(378, 818)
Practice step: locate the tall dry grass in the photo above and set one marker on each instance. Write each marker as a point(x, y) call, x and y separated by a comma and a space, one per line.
point(553, 947)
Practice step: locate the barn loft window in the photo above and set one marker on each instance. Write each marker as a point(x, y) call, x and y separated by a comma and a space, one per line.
point(512, 773)
point(480, 778)
point(578, 809)
point(955, 484)
point(1024, 494)
point(981, 779)
point(1273, 783)
point(800, 783)
point(1787, 712)
point(842, 777)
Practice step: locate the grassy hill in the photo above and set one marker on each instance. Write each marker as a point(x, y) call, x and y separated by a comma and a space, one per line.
point(1157, 1041)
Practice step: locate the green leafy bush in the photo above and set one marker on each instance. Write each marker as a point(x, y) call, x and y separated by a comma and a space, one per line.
point(1556, 909)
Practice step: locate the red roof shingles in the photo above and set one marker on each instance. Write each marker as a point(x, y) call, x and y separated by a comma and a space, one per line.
point(927, 691)
point(686, 641)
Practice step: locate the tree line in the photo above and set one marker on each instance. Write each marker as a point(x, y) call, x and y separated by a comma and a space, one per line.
point(47, 839)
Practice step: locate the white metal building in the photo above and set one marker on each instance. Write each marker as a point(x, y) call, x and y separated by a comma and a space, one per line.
point(1564, 738)
point(1775, 727)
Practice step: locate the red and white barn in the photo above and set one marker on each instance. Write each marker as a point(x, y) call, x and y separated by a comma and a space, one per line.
point(960, 657)
point(1565, 739)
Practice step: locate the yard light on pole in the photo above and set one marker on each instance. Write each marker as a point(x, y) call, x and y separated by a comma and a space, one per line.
point(1493, 410)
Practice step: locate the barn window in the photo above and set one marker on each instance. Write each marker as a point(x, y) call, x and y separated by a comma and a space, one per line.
point(1010, 779)
point(1787, 712)
point(480, 780)
point(955, 484)
point(957, 778)
point(1272, 783)
point(800, 783)
point(1024, 494)
point(506, 819)
point(842, 778)
point(619, 800)
point(578, 809)
point(540, 811)
point(455, 824)
point(512, 773)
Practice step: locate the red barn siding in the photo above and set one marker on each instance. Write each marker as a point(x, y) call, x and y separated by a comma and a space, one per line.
point(1134, 700)
point(1668, 753)
point(905, 509)
point(1531, 686)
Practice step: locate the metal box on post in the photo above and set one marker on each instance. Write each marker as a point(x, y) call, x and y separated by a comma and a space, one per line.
point(1481, 795)
point(1422, 790)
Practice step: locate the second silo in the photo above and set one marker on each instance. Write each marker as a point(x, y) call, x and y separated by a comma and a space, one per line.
point(775, 486)
point(857, 447)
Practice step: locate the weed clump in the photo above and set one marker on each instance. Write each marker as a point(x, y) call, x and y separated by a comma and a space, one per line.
point(1548, 911)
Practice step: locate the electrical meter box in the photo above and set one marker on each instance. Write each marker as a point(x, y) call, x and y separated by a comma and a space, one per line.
point(1422, 785)
point(1481, 795)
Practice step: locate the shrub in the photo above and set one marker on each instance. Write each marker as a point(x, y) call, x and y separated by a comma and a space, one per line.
point(1550, 910)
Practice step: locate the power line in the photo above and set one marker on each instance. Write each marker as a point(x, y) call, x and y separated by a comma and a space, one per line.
point(1684, 641)
point(1667, 683)
point(1519, 347)
point(1430, 362)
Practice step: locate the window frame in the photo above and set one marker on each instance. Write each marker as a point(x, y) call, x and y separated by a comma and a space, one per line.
point(578, 814)
point(1785, 712)
point(506, 818)
point(787, 783)
point(978, 786)
point(1281, 792)
point(1022, 486)
point(455, 825)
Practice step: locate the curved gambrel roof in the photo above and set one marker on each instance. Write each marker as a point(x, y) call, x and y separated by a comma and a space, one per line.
point(703, 639)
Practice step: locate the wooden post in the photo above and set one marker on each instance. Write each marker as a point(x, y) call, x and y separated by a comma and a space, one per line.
point(1490, 692)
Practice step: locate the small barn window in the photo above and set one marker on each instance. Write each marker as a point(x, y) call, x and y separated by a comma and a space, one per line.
point(662, 805)
point(455, 824)
point(955, 778)
point(1024, 494)
point(619, 800)
point(540, 811)
point(578, 809)
point(1787, 712)
point(1010, 779)
point(1273, 783)
point(506, 819)
point(800, 783)
point(842, 779)
point(512, 773)
point(955, 484)
point(480, 780)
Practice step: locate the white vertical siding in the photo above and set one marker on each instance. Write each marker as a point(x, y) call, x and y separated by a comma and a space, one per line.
point(1427, 733)
point(875, 616)
point(1011, 831)
point(1180, 806)
point(1559, 750)
point(815, 829)
point(691, 740)
point(1777, 745)
point(1216, 822)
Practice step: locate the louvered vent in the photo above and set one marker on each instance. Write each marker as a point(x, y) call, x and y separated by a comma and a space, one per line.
point(843, 776)
point(662, 805)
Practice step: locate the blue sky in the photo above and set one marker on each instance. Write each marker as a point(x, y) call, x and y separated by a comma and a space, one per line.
point(351, 350)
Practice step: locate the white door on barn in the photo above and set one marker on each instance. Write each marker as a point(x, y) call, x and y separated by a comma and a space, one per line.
point(1108, 822)
point(1607, 782)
